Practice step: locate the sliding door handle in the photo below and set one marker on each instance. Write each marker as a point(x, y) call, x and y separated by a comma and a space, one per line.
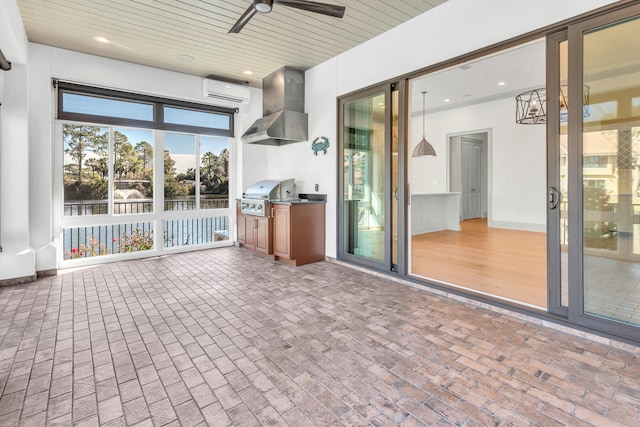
point(554, 198)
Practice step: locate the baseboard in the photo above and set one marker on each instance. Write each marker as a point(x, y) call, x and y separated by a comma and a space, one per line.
point(18, 280)
point(47, 273)
point(521, 226)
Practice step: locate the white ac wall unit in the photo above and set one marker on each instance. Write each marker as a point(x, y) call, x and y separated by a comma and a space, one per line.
point(223, 91)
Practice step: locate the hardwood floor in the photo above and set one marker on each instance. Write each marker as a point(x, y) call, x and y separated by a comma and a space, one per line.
point(507, 263)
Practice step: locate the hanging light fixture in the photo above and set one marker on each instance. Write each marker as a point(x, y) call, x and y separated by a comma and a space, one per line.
point(564, 102)
point(423, 148)
point(531, 106)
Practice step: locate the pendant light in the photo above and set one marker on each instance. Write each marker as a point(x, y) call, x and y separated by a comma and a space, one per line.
point(531, 106)
point(423, 148)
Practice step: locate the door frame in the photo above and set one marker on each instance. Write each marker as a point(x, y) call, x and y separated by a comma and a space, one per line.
point(486, 164)
point(576, 264)
point(385, 265)
point(482, 170)
point(554, 233)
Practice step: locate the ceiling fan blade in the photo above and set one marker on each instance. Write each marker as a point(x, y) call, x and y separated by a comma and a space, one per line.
point(311, 6)
point(246, 16)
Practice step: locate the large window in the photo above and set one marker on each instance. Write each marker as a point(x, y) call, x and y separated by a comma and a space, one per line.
point(140, 173)
point(90, 104)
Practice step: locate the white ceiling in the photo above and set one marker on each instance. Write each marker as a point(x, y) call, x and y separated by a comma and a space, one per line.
point(611, 64)
point(190, 36)
point(518, 69)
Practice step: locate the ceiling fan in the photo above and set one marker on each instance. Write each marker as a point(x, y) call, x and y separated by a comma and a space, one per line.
point(265, 6)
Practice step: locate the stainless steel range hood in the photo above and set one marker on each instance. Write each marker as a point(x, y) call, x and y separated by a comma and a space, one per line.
point(284, 120)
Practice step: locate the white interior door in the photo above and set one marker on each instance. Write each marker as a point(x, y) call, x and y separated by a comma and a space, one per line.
point(471, 179)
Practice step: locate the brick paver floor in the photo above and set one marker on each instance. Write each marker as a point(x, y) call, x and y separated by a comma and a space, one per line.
point(224, 337)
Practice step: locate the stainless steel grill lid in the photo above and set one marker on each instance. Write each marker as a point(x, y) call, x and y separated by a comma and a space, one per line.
point(272, 189)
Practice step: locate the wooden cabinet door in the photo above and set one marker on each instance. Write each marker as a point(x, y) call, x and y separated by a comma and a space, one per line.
point(250, 232)
point(262, 238)
point(282, 231)
point(242, 226)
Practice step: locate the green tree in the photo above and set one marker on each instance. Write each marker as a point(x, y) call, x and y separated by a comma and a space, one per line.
point(126, 162)
point(145, 154)
point(189, 175)
point(214, 172)
point(99, 165)
point(171, 186)
point(169, 164)
point(80, 140)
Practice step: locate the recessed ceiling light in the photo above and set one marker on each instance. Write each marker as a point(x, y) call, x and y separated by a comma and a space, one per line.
point(501, 83)
point(182, 57)
point(102, 39)
point(247, 72)
point(447, 100)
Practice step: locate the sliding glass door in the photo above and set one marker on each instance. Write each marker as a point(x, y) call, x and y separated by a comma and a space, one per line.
point(567, 242)
point(369, 178)
point(605, 238)
point(557, 174)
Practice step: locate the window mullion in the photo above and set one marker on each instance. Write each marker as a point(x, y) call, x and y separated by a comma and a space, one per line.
point(158, 114)
point(110, 173)
point(197, 173)
point(158, 187)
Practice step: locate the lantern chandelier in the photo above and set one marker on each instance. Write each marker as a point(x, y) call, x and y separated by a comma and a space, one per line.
point(531, 106)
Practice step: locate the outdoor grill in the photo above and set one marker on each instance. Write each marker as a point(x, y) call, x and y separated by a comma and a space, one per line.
point(257, 198)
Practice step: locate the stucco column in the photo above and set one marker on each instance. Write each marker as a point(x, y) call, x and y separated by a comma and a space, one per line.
point(41, 136)
point(17, 259)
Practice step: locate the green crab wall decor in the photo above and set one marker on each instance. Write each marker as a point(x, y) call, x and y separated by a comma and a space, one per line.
point(321, 143)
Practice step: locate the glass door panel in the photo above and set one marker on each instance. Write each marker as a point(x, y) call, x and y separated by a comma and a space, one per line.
point(478, 213)
point(563, 184)
point(557, 173)
point(180, 163)
point(609, 173)
point(364, 177)
point(395, 184)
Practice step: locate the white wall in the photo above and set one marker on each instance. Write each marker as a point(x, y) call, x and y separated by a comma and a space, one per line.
point(16, 258)
point(47, 63)
point(13, 38)
point(517, 161)
point(254, 164)
point(298, 161)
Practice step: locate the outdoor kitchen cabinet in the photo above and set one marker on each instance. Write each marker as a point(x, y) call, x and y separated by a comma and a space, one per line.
point(298, 232)
point(254, 233)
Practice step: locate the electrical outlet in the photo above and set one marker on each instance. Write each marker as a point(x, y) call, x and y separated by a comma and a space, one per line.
point(317, 187)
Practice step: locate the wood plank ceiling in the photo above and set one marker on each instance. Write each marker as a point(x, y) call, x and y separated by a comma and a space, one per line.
point(190, 36)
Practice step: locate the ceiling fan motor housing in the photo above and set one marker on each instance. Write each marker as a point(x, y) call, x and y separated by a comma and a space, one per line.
point(263, 6)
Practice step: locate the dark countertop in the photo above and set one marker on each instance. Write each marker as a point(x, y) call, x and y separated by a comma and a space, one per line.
point(304, 199)
point(298, 202)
